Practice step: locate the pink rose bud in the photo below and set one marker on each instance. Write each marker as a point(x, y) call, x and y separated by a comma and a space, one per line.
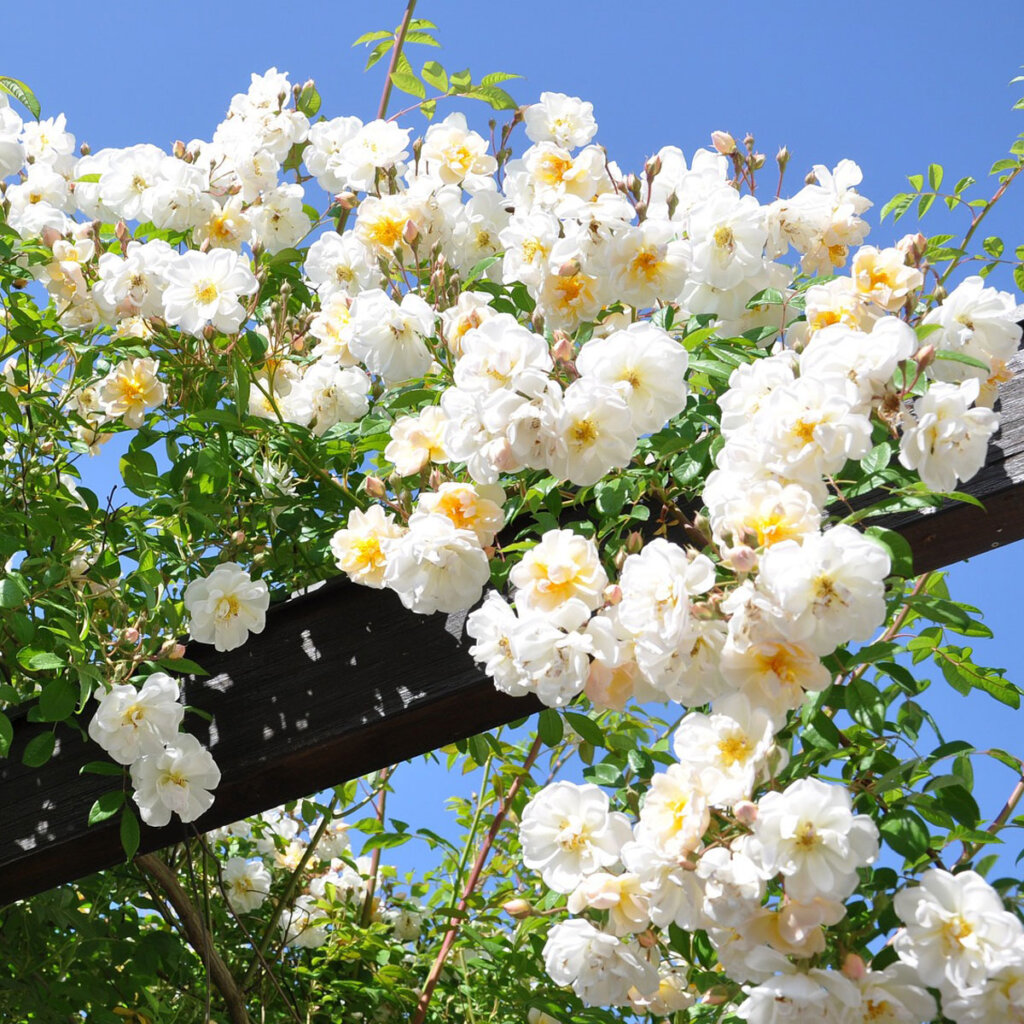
point(724, 143)
point(742, 559)
point(175, 652)
point(925, 356)
point(518, 908)
point(854, 967)
point(562, 350)
point(346, 200)
point(612, 594)
point(745, 812)
point(238, 537)
point(653, 167)
point(410, 233)
point(913, 248)
point(647, 939)
point(374, 487)
point(569, 269)
point(782, 158)
point(131, 635)
point(50, 236)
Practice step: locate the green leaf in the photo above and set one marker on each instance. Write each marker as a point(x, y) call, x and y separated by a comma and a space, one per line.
point(900, 554)
point(586, 728)
point(22, 93)
point(129, 833)
point(372, 37)
point(898, 205)
point(935, 176)
point(39, 661)
point(497, 76)
point(961, 357)
point(408, 83)
point(611, 495)
point(865, 704)
point(491, 94)
point(106, 806)
point(878, 458)
point(1018, 276)
point(12, 593)
point(58, 699)
point(100, 768)
point(603, 774)
point(549, 727)
point(424, 38)
point(434, 74)
point(309, 101)
point(994, 246)
point(378, 51)
point(39, 750)
point(461, 80)
point(6, 734)
point(916, 181)
point(906, 833)
point(924, 204)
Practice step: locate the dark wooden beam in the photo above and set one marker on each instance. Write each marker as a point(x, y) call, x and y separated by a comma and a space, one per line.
point(344, 681)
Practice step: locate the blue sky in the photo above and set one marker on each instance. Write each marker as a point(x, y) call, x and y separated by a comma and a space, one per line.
point(893, 92)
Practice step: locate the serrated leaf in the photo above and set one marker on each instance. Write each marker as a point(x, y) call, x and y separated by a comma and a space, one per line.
point(492, 95)
point(965, 182)
point(22, 93)
point(434, 74)
point(370, 37)
point(898, 205)
point(935, 176)
point(993, 245)
point(924, 204)
point(427, 108)
point(408, 83)
point(424, 38)
point(130, 833)
point(38, 750)
point(418, 23)
point(106, 806)
point(377, 52)
point(497, 76)
point(916, 181)
point(461, 80)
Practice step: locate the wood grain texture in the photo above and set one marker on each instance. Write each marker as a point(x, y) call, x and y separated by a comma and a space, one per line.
point(344, 681)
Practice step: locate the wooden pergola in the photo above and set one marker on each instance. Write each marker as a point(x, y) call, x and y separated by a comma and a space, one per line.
point(344, 681)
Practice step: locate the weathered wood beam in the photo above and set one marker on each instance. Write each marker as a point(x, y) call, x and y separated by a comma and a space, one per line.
point(344, 681)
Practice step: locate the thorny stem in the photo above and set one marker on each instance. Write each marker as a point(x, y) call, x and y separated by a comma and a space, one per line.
point(396, 52)
point(471, 883)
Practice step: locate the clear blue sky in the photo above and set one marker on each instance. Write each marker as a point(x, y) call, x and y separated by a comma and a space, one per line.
point(891, 87)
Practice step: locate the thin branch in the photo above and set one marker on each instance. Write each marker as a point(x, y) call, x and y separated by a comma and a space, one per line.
point(198, 936)
point(474, 877)
point(396, 52)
